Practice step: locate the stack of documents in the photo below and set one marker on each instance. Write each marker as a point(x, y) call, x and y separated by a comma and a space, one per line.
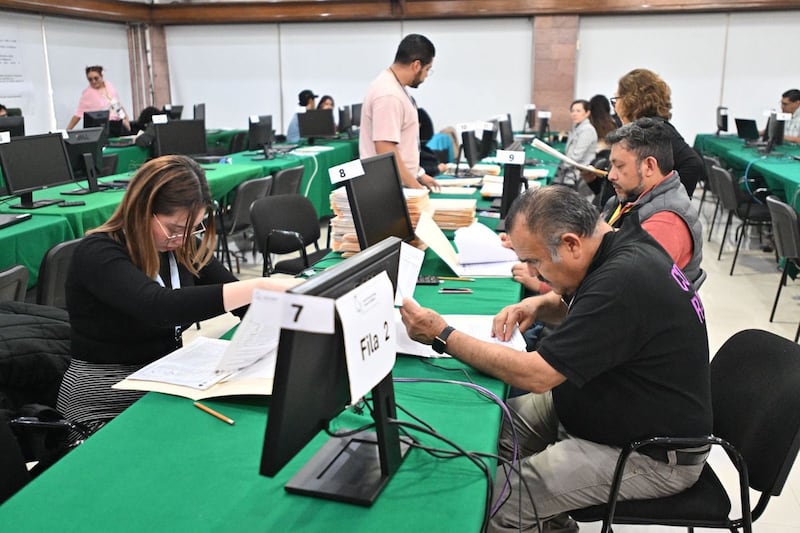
point(343, 231)
point(449, 213)
point(493, 185)
point(480, 169)
point(417, 200)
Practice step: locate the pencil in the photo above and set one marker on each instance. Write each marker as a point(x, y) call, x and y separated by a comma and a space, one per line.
point(214, 413)
point(447, 278)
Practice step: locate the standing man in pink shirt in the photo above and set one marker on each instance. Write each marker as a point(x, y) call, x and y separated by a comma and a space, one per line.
point(389, 121)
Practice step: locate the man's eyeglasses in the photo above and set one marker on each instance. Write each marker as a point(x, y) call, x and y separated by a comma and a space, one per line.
point(613, 100)
point(197, 231)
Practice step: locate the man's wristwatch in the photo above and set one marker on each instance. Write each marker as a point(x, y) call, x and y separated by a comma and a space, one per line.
point(440, 341)
point(420, 174)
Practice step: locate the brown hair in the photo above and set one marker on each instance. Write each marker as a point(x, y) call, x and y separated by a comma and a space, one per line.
point(95, 68)
point(642, 93)
point(163, 186)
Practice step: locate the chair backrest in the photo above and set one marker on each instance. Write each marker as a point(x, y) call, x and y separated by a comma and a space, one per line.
point(725, 187)
point(290, 212)
point(246, 193)
point(53, 274)
point(287, 181)
point(14, 111)
point(109, 164)
point(13, 283)
point(785, 228)
point(699, 280)
point(755, 379)
point(709, 161)
point(238, 142)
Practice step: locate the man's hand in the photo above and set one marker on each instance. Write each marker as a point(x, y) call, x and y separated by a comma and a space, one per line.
point(422, 324)
point(522, 275)
point(430, 183)
point(522, 314)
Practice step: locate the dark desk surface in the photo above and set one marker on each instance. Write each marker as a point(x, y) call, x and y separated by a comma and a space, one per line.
point(164, 465)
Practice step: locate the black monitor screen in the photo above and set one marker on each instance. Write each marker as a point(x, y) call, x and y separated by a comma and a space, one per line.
point(722, 119)
point(15, 126)
point(746, 128)
point(297, 413)
point(184, 137)
point(377, 202)
point(544, 126)
point(470, 147)
point(199, 111)
point(92, 119)
point(487, 143)
point(33, 163)
point(506, 132)
point(355, 114)
point(345, 120)
point(259, 132)
point(85, 141)
point(174, 112)
point(316, 123)
point(530, 118)
point(774, 132)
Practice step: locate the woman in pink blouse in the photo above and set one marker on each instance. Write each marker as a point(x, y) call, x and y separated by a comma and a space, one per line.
point(99, 95)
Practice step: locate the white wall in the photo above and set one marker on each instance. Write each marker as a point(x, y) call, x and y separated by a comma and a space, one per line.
point(71, 46)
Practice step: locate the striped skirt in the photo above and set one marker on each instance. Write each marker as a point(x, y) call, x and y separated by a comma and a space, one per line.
point(86, 396)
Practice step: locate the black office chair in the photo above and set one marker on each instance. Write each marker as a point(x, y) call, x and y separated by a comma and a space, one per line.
point(283, 224)
point(710, 161)
point(13, 283)
point(755, 377)
point(53, 274)
point(747, 209)
point(12, 464)
point(786, 233)
point(109, 164)
point(235, 218)
point(287, 181)
point(14, 111)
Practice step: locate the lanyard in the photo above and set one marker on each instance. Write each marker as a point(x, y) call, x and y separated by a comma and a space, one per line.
point(619, 211)
point(175, 282)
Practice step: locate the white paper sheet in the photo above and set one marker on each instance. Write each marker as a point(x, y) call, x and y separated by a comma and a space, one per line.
point(479, 244)
point(194, 365)
point(410, 263)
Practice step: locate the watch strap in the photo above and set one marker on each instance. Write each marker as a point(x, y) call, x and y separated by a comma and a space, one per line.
point(440, 341)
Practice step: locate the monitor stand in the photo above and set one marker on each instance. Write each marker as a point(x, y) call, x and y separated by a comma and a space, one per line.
point(91, 179)
point(355, 469)
point(26, 202)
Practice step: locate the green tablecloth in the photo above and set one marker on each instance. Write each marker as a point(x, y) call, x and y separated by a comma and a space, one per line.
point(779, 170)
point(27, 242)
point(164, 465)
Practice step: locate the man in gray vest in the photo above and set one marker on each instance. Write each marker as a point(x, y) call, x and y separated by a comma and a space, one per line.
point(645, 183)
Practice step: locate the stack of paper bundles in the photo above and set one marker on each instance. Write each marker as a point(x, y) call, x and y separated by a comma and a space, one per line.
point(450, 213)
point(493, 185)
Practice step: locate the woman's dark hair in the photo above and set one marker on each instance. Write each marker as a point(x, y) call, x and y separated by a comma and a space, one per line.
point(94, 68)
point(600, 117)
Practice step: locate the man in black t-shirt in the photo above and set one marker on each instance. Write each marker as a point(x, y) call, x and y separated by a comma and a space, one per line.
point(629, 360)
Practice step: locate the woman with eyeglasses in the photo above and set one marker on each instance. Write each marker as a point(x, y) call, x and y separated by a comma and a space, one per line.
point(642, 93)
point(99, 96)
point(138, 280)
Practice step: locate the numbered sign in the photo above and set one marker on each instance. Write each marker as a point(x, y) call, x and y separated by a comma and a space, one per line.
point(508, 157)
point(370, 343)
point(5, 137)
point(783, 116)
point(528, 107)
point(254, 119)
point(307, 313)
point(485, 126)
point(545, 114)
point(346, 171)
point(160, 119)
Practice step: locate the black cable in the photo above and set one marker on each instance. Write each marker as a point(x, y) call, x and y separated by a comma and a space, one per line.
point(429, 362)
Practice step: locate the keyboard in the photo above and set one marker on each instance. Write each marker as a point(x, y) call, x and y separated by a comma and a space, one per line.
point(284, 148)
point(10, 220)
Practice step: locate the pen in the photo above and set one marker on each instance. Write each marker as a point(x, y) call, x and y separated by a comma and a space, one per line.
point(458, 290)
point(214, 413)
point(448, 278)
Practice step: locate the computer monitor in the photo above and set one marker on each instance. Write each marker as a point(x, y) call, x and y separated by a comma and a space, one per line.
point(377, 202)
point(33, 163)
point(487, 145)
point(774, 132)
point(174, 112)
point(15, 126)
point(722, 119)
point(746, 129)
point(513, 182)
point(185, 137)
point(85, 152)
point(530, 118)
point(506, 132)
point(92, 119)
point(311, 387)
point(544, 124)
point(199, 112)
point(469, 144)
point(259, 132)
point(355, 114)
point(345, 124)
point(316, 123)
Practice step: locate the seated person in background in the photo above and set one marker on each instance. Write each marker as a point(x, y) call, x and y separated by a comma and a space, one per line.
point(326, 102)
point(591, 392)
point(145, 119)
point(428, 159)
point(790, 103)
point(124, 307)
point(3, 111)
point(581, 144)
point(642, 93)
point(305, 99)
point(601, 120)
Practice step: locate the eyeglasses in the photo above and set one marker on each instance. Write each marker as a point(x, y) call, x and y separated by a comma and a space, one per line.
point(613, 100)
point(93, 78)
point(197, 231)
